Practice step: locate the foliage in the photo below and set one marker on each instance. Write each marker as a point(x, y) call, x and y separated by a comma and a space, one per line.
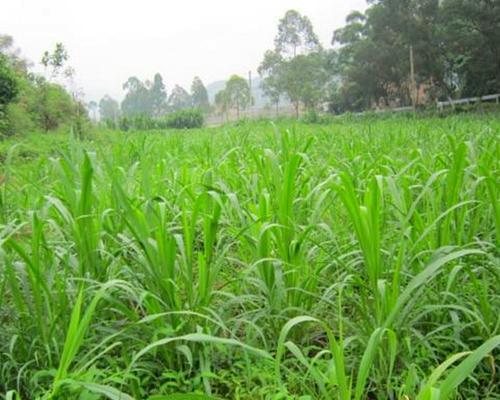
point(30, 102)
point(109, 110)
point(158, 96)
point(199, 95)
point(454, 45)
point(295, 69)
point(52, 105)
point(235, 95)
point(8, 83)
point(137, 99)
point(352, 260)
point(182, 119)
point(295, 35)
point(55, 60)
point(8, 92)
point(179, 99)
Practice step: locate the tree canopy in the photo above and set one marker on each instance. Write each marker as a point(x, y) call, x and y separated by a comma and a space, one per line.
point(199, 95)
point(236, 95)
point(179, 98)
point(295, 68)
point(454, 44)
point(29, 101)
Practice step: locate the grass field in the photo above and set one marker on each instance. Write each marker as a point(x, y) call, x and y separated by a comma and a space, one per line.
point(356, 260)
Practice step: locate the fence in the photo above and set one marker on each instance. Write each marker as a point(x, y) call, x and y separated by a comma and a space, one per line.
point(469, 100)
point(289, 111)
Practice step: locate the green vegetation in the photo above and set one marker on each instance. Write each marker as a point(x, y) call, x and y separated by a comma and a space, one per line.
point(351, 260)
point(150, 99)
point(182, 119)
point(453, 45)
point(235, 95)
point(325, 257)
point(30, 102)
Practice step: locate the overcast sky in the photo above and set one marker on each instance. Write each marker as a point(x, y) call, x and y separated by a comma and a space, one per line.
point(110, 40)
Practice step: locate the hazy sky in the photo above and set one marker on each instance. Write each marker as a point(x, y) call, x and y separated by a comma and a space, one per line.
point(110, 40)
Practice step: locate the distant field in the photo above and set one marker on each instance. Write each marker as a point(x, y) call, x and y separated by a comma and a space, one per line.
point(355, 260)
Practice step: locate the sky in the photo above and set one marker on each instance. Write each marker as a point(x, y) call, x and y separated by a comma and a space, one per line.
point(110, 40)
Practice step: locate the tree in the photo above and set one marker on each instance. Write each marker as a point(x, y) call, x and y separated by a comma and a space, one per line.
point(8, 83)
point(158, 96)
point(7, 48)
point(29, 101)
point(222, 101)
point(472, 37)
point(55, 60)
point(52, 105)
point(199, 95)
point(109, 109)
point(8, 92)
point(55, 104)
point(179, 98)
point(295, 35)
point(137, 99)
point(304, 80)
point(270, 71)
point(238, 94)
point(295, 68)
point(454, 45)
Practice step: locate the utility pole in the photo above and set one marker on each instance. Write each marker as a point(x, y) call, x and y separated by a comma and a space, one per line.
point(413, 90)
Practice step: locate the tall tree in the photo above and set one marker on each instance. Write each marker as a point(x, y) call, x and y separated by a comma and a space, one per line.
point(270, 71)
point(199, 95)
point(55, 60)
point(454, 44)
point(304, 80)
point(179, 98)
point(137, 99)
point(158, 96)
point(238, 94)
point(295, 35)
point(296, 67)
point(472, 36)
point(109, 109)
point(222, 101)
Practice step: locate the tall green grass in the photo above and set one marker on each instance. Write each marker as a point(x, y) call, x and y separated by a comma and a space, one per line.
point(351, 261)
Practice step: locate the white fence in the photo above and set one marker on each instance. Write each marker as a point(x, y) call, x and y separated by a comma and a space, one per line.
point(469, 100)
point(255, 113)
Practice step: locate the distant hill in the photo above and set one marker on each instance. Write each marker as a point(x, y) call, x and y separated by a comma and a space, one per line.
point(260, 100)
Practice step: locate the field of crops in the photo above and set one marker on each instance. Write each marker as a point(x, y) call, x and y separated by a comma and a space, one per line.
point(356, 260)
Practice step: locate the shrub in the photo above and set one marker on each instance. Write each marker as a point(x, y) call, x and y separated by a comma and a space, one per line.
point(184, 119)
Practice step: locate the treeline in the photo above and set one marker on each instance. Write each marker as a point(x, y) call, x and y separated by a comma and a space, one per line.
point(147, 104)
point(30, 101)
point(452, 46)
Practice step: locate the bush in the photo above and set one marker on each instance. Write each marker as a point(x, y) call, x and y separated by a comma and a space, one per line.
point(184, 119)
point(312, 117)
